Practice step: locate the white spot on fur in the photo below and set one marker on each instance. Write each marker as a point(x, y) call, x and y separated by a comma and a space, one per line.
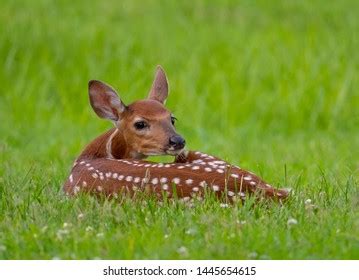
point(215, 188)
point(196, 167)
point(114, 175)
point(208, 169)
point(220, 170)
point(120, 177)
point(154, 181)
point(213, 165)
point(180, 167)
point(99, 188)
point(252, 183)
point(94, 175)
point(108, 174)
point(137, 180)
point(235, 176)
point(189, 181)
point(167, 165)
point(163, 180)
point(90, 168)
point(247, 178)
point(165, 187)
point(195, 189)
point(71, 178)
point(129, 178)
point(82, 162)
point(203, 184)
point(84, 184)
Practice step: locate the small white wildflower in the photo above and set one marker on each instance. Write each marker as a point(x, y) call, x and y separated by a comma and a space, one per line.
point(80, 216)
point(183, 251)
point(89, 229)
point(264, 257)
point(253, 255)
point(66, 225)
point(308, 201)
point(61, 232)
point(292, 221)
point(224, 205)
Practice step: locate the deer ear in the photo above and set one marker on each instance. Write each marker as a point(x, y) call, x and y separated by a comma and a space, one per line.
point(105, 101)
point(159, 89)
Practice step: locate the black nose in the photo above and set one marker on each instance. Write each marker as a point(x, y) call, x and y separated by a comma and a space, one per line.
point(177, 142)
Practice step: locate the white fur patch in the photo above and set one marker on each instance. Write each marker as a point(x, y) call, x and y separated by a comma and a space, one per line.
point(189, 181)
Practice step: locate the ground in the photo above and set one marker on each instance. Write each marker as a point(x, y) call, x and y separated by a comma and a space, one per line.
point(269, 86)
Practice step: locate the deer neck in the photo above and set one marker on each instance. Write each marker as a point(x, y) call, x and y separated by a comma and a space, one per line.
point(111, 144)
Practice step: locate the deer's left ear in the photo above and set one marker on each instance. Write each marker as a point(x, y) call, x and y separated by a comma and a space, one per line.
point(159, 89)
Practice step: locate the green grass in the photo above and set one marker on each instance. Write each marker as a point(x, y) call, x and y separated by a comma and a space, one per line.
point(269, 85)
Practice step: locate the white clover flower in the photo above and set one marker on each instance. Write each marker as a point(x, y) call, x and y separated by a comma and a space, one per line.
point(224, 205)
point(183, 251)
point(89, 229)
point(292, 221)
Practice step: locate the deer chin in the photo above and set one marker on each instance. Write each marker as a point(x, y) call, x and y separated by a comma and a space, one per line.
point(173, 152)
point(154, 153)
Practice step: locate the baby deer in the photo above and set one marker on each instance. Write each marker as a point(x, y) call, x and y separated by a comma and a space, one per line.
point(113, 164)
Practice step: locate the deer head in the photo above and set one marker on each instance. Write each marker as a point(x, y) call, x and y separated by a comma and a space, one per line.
point(146, 126)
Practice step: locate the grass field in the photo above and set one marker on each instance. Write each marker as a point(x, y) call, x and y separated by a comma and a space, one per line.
point(269, 85)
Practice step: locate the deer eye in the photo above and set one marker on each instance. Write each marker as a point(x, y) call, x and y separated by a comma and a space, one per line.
point(140, 125)
point(173, 120)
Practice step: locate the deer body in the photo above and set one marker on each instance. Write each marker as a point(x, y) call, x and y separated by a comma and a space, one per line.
point(113, 164)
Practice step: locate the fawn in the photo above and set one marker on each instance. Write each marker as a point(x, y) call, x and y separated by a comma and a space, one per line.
point(113, 164)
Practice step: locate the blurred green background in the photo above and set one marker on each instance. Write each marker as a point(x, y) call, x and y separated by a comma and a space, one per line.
point(269, 85)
